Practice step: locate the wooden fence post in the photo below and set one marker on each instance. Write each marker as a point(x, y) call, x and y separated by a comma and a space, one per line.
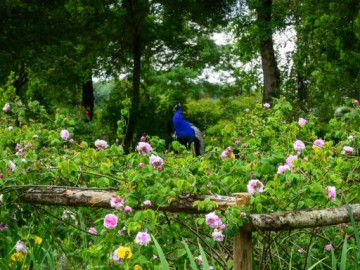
point(242, 249)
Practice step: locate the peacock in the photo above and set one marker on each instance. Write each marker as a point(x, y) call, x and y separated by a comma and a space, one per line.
point(186, 133)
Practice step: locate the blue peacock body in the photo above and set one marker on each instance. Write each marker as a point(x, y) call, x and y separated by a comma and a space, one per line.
point(186, 133)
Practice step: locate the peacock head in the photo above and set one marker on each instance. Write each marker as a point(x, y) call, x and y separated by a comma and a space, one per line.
point(177, 107)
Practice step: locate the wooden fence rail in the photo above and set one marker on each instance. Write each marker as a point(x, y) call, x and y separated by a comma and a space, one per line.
point(67, 196)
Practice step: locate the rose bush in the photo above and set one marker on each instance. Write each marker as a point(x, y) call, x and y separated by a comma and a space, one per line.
point(257, 142)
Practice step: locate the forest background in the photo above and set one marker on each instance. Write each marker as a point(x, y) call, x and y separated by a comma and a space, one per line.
point(161, 48)
point(148, 56)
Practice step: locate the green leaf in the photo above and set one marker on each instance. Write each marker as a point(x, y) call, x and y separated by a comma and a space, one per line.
point(356, 232)
point(103, 182)
point(318, 262)
point(177, 146)
point(204, 259)
point(333, 260)
point(180, 252)
point(343, 255)
point(191, 257)
point(316, 188)
point(104, 168)
point(67, 167)
point(308, 258)
point(164, 263)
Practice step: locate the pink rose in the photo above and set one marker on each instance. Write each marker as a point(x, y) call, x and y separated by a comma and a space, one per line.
point(144, 148)
point(283, 168)
point(101, 144)
point(299, 145)
point(110, 221)
point(147, 203)
point(127, 209)
point(213, 220)
point(348, 150)
point(6, 107)
point(255, 186)
point(142, 238)
point(331, 192)
point(218, 236)
point(302, 122)
point(156, 161)
point(64, 134)
point(290, 159)
point(319, 143)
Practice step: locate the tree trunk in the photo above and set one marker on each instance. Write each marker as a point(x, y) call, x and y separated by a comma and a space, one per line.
point(302, 91)
point(136, 73)
point(271, 73)
point(88, 96)
point(21, 78)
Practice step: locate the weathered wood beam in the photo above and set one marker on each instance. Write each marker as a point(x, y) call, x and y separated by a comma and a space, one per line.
point(303, 219)
point(76, 197)
point(101, 199)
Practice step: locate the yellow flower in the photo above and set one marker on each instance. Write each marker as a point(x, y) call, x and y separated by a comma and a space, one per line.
point(137, 267)
point(17, 256)
point(25, 267)
point(124, 252)
point(38, 240)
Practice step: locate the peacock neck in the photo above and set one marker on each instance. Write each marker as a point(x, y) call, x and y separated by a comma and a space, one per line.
point(177, 119)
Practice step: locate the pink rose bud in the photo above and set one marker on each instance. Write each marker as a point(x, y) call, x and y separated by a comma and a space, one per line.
point(92, 231)
point(356, 102)
point(147, 203)
point(243, 214)
point(222, 227)
point(143, 138)
point(128, 209)
point(141, 165)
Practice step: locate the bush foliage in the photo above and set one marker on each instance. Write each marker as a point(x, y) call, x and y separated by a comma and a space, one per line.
point(242, 144)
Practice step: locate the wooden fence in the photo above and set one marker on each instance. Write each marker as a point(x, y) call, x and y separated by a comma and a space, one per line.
point(242, 245)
